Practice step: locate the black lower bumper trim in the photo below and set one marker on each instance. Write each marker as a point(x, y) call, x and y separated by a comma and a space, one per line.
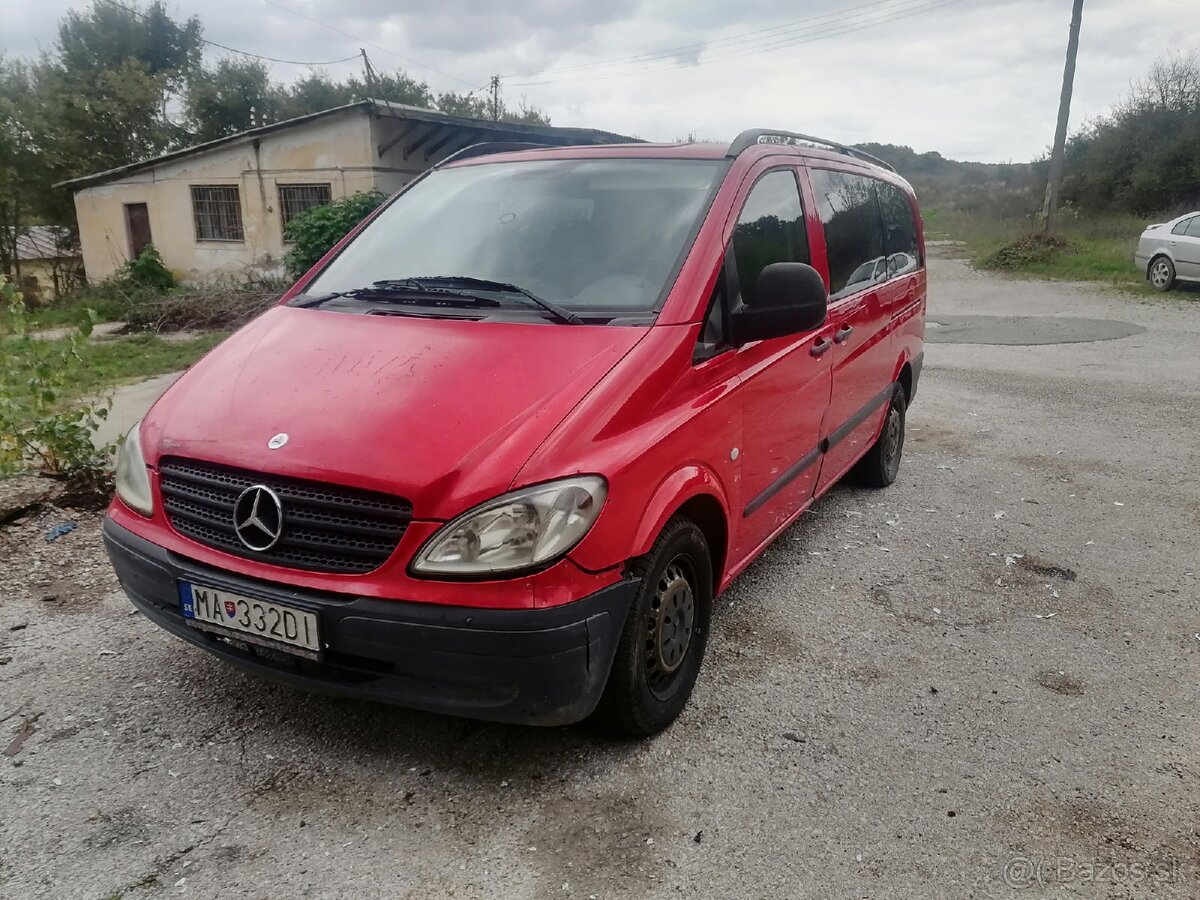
point(541, 667)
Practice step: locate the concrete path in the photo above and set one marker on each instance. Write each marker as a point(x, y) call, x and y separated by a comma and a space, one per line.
point(130, 403)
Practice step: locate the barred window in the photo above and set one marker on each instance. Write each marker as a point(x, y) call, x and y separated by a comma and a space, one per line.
point(295, 199)
point(217, 212)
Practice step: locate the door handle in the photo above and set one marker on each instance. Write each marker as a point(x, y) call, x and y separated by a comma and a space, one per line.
point(844, 332)
point(819, 348)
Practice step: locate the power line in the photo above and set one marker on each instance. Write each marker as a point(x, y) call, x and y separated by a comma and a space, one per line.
point(809, 36)
point(290, 62)
point(668, 52)
point(334, 28)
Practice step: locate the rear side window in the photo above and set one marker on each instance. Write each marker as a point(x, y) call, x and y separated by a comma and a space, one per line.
point(769, 230)
point(849, 210)
point(1182, 227)
point(1193, 229)
point(899, 230)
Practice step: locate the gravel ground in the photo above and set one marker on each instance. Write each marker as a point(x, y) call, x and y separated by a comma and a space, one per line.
point(979, 682)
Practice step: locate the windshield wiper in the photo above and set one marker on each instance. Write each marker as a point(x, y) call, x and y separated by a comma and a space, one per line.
point(403, 291)
point(559, 313)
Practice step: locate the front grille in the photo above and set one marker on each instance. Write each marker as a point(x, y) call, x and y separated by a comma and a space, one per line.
point(326, 527)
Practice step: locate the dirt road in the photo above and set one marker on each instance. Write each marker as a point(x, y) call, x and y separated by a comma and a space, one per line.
point(982, 682)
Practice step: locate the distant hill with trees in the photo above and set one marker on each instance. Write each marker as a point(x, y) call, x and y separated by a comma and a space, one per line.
point(1006, 188)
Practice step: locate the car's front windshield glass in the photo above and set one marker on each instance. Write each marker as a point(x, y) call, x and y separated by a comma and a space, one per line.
point(594, 236)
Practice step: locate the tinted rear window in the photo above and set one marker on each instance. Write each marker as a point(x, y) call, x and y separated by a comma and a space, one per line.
point(849, 210)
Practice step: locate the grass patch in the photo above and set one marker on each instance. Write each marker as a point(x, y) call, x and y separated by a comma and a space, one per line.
point(116, 362)
point(111, 302)
point(1098, 249)
point(112, 363)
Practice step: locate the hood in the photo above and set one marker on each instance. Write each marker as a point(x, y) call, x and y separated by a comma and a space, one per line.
point(443, 413)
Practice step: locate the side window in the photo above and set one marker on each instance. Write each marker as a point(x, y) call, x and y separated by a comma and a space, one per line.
point(769, 230)
point(899, 230)
point(1193, 229)
point(854, 242)
point(1182, 227)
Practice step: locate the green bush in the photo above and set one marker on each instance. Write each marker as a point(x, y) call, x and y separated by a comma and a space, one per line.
point(38, 430)
point(148, 271)
point(317, 230)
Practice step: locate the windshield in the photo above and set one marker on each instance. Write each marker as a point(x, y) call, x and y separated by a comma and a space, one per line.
point(590, 235)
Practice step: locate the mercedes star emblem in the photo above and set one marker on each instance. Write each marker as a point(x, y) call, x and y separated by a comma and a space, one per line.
point(258, 518)
point(278, 441)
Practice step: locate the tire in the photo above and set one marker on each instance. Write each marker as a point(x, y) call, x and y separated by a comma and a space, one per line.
point(881, 465)
point(1161, 273)
point(662, 644)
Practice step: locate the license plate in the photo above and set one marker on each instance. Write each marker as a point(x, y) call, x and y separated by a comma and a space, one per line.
point(254, 621)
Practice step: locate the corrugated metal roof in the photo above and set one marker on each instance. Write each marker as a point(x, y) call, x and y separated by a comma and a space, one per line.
point(45, 242)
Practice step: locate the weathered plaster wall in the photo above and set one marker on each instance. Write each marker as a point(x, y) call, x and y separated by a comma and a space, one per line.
point(336, 150)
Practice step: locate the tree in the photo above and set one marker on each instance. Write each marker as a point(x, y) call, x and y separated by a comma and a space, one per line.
point(110, 35)
point(476, 106)
point(18, 161)
point(232, 97)
point(1144, 157)
point(100, 99)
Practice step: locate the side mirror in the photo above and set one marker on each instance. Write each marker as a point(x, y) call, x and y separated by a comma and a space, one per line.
point(790, 298)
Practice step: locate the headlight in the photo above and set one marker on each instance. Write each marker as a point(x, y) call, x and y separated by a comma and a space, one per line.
point(133, 483)
point(521, 530)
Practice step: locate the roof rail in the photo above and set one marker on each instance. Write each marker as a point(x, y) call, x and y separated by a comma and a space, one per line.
point(489, 147)
point(753, 136)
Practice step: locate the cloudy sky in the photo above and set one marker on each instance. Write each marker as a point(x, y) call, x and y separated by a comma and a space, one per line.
point(973, 79)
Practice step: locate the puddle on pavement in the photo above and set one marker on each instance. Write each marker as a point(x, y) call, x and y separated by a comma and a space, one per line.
point(1025, 331)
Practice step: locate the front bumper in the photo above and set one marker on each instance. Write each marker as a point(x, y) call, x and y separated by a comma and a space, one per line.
point(538, 666)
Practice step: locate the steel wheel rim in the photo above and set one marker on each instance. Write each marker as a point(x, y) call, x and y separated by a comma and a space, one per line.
point(670, 627)
point(892, 430)
point(1160, 274)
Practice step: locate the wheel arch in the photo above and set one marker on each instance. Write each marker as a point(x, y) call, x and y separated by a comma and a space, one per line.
point(904, 376)
point(694, 492)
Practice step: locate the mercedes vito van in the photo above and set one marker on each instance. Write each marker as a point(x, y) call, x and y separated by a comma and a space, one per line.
point(499, 451)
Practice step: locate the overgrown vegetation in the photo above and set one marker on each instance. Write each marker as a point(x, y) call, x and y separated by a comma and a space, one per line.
point(39, 430)
point(315, 232)
point(1028, 250)
point(214, 307)
point(148, 271)
point(1097, 248)
point(1144, 156)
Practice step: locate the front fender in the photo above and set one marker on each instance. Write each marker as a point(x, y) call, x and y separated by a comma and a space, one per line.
point(614, 542)
point(678, 488)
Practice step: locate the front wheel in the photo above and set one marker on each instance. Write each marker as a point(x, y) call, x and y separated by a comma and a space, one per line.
point(1162, 274)
point(881, 464)
point(662, 644)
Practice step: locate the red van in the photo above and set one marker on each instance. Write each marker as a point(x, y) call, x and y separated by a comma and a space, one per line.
point(496, 454)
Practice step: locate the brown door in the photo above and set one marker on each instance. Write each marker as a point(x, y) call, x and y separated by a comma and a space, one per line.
point(137, 224)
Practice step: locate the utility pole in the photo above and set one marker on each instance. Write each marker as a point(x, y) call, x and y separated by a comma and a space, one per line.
point(495, 83)
point(370, 76)
point(1064, 115)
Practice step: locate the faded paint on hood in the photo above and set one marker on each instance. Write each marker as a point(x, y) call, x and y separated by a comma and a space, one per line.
point(441, 412)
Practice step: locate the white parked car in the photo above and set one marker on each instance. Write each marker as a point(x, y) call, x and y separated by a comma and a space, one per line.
point(1170, 252)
